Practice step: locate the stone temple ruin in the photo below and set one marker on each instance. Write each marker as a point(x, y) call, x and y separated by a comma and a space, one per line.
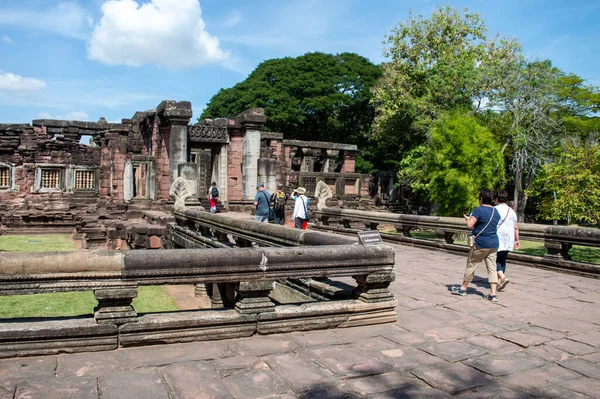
point(116, 191)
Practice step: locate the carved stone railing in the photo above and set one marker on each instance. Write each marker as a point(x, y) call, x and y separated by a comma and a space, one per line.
point(246, 277)
point(557, 240)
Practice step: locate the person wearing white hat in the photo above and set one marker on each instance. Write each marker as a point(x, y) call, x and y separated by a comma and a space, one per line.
point(300, 216)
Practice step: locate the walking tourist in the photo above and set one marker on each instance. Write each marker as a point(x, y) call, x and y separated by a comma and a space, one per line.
point(483, 221)
point(508, 236)
point(279, 200)
point(213, 197)
point(262, 202)
point(300, 216)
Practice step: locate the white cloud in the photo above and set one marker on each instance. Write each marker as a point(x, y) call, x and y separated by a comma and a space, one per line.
point(65, 19)
point(7, 40)
point(70, 116)
point(15, 83)
point(167, 33)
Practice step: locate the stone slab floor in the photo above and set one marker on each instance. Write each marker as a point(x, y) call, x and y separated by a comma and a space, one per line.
point(541, 340)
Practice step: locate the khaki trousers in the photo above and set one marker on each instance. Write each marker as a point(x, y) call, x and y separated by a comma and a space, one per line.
point(476, 256)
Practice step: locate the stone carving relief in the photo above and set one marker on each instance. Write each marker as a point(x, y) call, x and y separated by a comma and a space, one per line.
point(322, 194)
point(208, 130)
point(181, 189)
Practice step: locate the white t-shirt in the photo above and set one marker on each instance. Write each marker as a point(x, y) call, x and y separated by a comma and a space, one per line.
point(506, 229)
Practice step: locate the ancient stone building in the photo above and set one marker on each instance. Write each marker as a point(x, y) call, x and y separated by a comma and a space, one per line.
point(49, 181)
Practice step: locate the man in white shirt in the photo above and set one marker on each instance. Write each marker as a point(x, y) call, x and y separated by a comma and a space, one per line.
point(300, 208)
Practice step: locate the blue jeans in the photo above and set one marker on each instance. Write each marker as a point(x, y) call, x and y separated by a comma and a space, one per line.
point(261, 218)
point(501, 261)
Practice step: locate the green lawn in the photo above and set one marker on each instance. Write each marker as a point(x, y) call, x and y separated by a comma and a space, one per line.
point(37, 243)
point(150, 299)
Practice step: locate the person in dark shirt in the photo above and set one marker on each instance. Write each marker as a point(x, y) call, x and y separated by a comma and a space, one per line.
point(262, 202)
point(484, 223)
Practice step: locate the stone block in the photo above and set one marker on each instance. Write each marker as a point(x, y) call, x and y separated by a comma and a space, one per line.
point(194, 380)
point(452, 378)
point(504, 364)
point(137, 384)
point(53, 388)
point(154, 242)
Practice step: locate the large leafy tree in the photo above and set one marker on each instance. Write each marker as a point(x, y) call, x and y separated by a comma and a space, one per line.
point(460, 157)
point(570, 186)
point(525, 93)
point(434, 65)
point(316, 96)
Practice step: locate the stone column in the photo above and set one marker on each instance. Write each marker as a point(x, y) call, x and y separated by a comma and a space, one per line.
point(308, 159)
point(114, 305)
point(374, 287)
point(254, 297)
point(177, 116)
point(330, 163)
point(252, 121)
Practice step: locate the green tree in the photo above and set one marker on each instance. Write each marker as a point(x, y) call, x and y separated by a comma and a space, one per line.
point(571, 184)
point(315, 96)
point(525, 93)
point(580, 103)
point(459, 159)
point(434, 65)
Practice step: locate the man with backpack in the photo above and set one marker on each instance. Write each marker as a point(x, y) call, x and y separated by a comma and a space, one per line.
point(213, 197)
point(278, 199)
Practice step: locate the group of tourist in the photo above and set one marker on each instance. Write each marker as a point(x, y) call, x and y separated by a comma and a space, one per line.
point(495, 232)
point(272, 207)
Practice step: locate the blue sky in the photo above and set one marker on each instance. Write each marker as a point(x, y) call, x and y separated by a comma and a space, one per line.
point(83, 59)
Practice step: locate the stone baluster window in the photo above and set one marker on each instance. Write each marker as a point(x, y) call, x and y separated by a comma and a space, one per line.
point(51, 178)
point(5, 177)
point(85, 179)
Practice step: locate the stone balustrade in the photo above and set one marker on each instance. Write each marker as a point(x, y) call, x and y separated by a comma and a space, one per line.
point(557, 240)
point(249, 279)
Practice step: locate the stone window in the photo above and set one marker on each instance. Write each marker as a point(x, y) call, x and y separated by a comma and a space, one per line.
point(85, 179)
point(51, 179)
point(5, 180)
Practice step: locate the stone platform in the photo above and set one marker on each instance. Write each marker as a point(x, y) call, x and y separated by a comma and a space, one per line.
point(541, 340)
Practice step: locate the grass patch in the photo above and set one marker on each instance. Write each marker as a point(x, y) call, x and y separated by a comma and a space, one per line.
point(37, 243)
point(150, 299)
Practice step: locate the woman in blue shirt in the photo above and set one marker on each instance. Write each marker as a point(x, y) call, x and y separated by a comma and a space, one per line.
point(484, 222)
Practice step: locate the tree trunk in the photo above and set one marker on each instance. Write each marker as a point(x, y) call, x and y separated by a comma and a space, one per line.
point(520, 199)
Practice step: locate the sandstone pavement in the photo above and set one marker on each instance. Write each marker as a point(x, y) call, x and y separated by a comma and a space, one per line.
point(541, 340)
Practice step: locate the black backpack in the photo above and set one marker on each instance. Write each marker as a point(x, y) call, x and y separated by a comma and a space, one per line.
point(214, 192)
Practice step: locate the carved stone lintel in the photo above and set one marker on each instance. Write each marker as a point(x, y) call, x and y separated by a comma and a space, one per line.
point(254, 297)
point(558, 250)
point(114, 305)
point(374, 287)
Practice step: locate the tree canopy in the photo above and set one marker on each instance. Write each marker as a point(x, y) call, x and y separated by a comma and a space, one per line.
point(315, 96)
point(458, 159)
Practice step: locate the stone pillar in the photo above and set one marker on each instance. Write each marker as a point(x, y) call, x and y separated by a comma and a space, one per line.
point(201, 293)
point(114, 305)
point(267, 173)
point(252, 121)
point(254, 297)
point(308, 159)
point(374, 287)
point(330, 162)
point(177, 116)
